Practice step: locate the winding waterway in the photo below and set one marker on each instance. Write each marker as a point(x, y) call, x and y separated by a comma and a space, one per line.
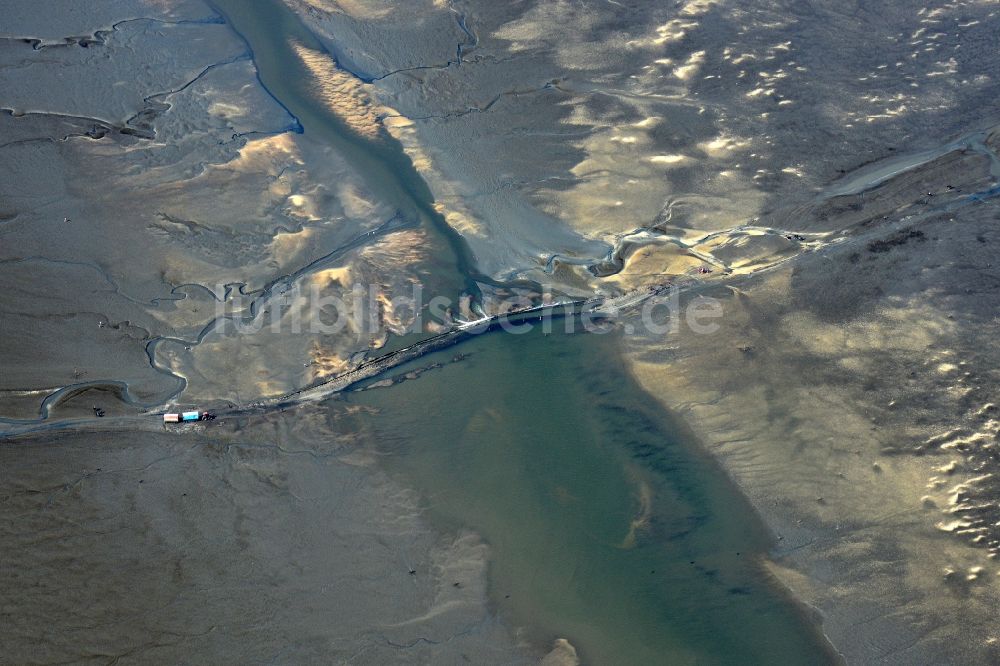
point(606, 524)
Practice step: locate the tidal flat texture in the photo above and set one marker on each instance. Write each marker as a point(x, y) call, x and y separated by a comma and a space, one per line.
point(192, 194)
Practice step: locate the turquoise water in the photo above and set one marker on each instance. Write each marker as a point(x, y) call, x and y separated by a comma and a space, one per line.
point(605, 526)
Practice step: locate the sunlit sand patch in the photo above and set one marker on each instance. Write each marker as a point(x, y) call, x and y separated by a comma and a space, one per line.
point(326, 363)
point(697, 7)
point(367, 9)
point(337, 286)
point(690, 66)
point(887, 113)
point(649, 121)
point(533, 30)
point(242, 220)
point(911, 328)
point(459, 217)
point(612, 172)
point(813, 446)
point(287, 345)
point(762, 91)
point(669, 160)
point(226, 110)
point(782, 417)
point(563, 654)
point(620, 180)
point(340, 274)
point(286, 247)
point(449, 201)
point(522, 34)
point(357, 203)
point(673, 31)
point(404, 130)
point(302, 206)
point(748, 249)
point(396, 320)
point(723, 146)
point(388, 304)
point(342, 93)
point(280, 147)
point(404, 248)
point(534, 27)
point(652, 265)
point(728, 201)
point(267, 386)
point(733, 58)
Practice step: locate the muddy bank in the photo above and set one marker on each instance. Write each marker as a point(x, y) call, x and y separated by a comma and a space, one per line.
point(271, 539)
point(493, 148)
point(140, 224)
point(850, 394)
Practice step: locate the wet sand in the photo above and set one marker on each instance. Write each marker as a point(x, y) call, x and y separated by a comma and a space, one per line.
point(840, 159)
point(272, 540)
point(842, 197)
point(861, 425)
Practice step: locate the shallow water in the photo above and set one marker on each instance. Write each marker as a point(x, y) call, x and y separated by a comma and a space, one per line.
point(271, 32)
point(606, 528)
